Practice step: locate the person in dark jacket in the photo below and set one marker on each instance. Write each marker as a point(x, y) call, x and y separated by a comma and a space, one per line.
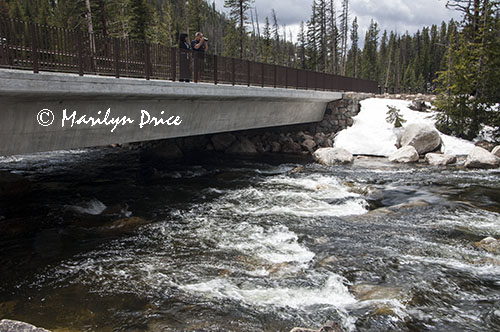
point(199, 45)
point(184, 58)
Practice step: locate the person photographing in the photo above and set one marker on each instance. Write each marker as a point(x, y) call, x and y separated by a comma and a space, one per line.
point(200, 45)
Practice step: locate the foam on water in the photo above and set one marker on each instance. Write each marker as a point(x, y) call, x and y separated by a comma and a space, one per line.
point(93, 207)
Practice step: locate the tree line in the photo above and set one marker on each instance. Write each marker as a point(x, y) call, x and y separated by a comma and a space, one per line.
point(459, 60)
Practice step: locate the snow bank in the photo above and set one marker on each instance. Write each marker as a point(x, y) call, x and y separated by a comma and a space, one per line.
point(372, 135)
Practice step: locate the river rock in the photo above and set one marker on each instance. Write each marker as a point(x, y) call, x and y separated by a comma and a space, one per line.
point(242, 146)
point(291, 147)
point(481, 158)
point(7, 325)
point(423, 137)
point(496, 151)
point(275, 147)
point(309, 145)
point(437, 159)
point(485, 145)
point(332, 156)
point(222, 141)
point(366, 292)
point(127, 224)
point(328, 327)
point(406, 154)
point(489, 244)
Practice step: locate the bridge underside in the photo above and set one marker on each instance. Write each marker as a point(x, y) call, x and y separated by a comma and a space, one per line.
point(202, 108)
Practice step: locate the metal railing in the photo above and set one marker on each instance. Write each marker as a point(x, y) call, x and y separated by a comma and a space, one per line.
point(46, 48)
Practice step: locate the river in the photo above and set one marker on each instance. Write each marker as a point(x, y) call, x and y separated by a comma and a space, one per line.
point(108, 241)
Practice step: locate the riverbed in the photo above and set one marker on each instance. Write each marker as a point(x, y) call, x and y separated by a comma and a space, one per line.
point(105, 240)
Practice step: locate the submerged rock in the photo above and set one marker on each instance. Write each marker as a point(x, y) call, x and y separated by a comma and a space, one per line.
point(423, 137)
point(437, 159)
point(332, 156)
point(366, 292)
point(407, 154)
point(7, 325)
point(127, 224)
point(481, 158)
point(328, 327)
point(489, 244)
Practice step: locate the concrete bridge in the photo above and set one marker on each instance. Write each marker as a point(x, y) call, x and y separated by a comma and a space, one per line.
point(52, 111)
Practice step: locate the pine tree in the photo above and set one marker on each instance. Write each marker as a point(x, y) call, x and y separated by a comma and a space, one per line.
point(369, 55)
point(238, 11)
point(352, 68)
point(267, 43)
point(4, 10)
point(333, 40)
point(344, 31)
point(277, 56)
point(140, 15)
point(302, 46)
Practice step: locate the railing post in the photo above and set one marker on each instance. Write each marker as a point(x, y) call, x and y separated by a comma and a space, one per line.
point(262, 74)
point(275, 79)
point(34, 49)
point(215, 69)
point(196, 68)
point(248, 76)
point(80, 53)
point(173, 55)
point(286, 77)
point(147, 60)
point(233, 71)
point(117, 57)
point(298, 75)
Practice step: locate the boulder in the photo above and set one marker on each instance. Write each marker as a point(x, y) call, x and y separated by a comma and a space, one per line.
point(242, 146)
point(7, 325)
point(418, 105)
point(481, 158)
point(406, 154)
point(291, 147)
point(275, 147)
point(222, 141)
point(489, 244)
point(437, 159)
point(424, 138)
point(308, 145)
point(367, 292)
point(332, 156)
point(485, 145)
point(496, 151)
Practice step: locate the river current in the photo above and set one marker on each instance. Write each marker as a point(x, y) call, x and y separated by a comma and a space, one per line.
point(108, 241)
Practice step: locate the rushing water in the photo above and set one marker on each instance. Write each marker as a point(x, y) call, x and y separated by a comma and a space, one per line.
point(239, 245)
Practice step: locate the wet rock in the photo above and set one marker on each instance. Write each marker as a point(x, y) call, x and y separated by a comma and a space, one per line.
point(367, 292)
point(13, 185)
point(406, 154)
point(7, 325)
point(424, 138)
point(437, 159)
point(332, 156)
point(127, 224)
point(297, 169)
point(242, 146)
point(328, 261)
point(408, 205)
point(223, 141)
point(481, 158)
point(328, 327)
point(489, 244)
point(488, 146)
point(496, 151)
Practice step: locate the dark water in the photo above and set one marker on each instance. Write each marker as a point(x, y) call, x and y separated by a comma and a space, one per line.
point(238, 245)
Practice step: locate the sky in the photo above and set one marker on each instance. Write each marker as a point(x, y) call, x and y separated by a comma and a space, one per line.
point(396, 15)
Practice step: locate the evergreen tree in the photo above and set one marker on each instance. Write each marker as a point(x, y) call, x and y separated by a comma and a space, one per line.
point(369, 55)
point(302, 46)
point(238, 11)
point(139, 18)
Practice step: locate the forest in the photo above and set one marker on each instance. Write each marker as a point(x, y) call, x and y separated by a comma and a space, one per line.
point(458, 60)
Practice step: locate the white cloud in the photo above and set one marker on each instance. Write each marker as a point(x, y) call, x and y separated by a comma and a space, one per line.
point(395, 15)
